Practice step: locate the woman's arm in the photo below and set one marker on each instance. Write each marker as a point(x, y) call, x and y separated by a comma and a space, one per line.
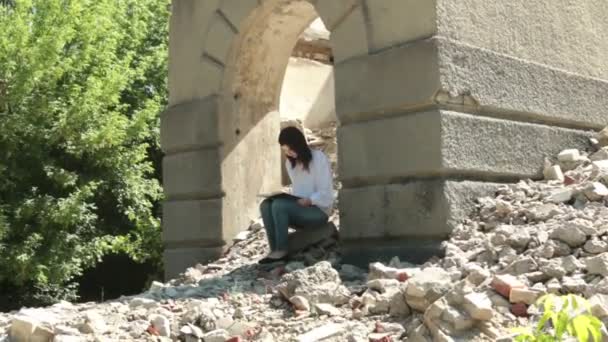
point(324, 195)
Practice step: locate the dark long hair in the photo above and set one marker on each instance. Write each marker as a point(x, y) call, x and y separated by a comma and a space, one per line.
point(295, 140)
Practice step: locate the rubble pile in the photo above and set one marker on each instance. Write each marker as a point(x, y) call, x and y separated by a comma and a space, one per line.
point(532, 238)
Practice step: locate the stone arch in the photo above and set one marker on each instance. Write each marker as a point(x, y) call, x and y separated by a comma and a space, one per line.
point(419, 104)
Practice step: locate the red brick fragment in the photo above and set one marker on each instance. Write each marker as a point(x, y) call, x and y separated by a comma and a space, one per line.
point(519, 310)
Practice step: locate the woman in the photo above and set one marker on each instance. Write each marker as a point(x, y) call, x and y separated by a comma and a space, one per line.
point(312, 189)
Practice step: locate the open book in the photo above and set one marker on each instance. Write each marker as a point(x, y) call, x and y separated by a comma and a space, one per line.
point(277, 193)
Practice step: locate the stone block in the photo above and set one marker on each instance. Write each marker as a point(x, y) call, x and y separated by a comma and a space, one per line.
point(307, 236)
point(192, 174)
point(446, 142)
point(237, 10)
point(397, 79)
point(219, 38)
point(191, 221)
point(190, 77)
point(349, 37)
point(190, 125)
point(418, 209)
point(334, 12)
point(396, 22)
point(177, 260)
point(522, 89)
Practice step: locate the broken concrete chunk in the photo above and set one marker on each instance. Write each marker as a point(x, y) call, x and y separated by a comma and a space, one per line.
point(327, 309)
point(599, 305)
point(602, 137)
point(300, 303)
point(570, 155)
point(598, 264)
point(554, 173)
point(570, 235)
point(25, 328)
point(596, 191)
point(479, 306)
point(560, 195)
point(601, 154)
point(322, 332)
point(526, 296)
point(426, 287)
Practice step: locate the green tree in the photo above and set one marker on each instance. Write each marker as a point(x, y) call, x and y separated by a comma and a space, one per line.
point(81, 86)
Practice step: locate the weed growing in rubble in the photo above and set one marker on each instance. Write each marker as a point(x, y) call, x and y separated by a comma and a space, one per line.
point(565, 316)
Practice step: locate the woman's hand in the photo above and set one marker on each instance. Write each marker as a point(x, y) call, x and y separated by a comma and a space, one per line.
point(305, 202)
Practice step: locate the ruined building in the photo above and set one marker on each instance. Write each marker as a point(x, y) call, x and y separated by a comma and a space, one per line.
point(436, 99)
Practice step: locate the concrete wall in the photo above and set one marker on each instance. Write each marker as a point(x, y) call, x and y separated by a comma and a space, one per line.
point(564, 34)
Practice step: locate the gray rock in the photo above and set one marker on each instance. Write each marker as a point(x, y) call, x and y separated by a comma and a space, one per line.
point(598, 264)
point(572, 236)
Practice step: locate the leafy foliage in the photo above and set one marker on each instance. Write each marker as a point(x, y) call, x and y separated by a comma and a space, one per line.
point(81, 86)
point(567, 316)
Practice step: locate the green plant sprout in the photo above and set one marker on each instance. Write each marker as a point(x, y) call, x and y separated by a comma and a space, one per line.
point(563, 317)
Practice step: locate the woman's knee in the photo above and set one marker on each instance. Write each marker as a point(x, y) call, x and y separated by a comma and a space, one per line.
point(265, 206)
point(281, 204)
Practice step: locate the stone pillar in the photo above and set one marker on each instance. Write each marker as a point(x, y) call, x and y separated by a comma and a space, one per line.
point(458, 96)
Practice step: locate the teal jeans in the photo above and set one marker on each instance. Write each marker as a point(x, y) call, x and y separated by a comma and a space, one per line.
point(279, 213)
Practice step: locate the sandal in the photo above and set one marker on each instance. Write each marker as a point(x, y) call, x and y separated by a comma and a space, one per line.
point(267, 260)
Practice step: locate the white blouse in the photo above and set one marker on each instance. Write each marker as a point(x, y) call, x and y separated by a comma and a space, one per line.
point(316, 183)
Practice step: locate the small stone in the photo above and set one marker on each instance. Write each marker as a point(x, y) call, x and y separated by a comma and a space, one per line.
point(598, 264)
point(595, 246)
point(300, 303)
point(554, 173)
point(560, 195)
point(426, 287)
point(476, 274)
point(393, 328)
point(601, 154)
point(242, 236)
point(327, 309)
point(479, 306)
point(29, 329)
point(553, 286)
point(599, 305)
point(571, 155)
point(459, 320)
point(572, 236)
point(218, 335)
point(574, 285)
point(156, 287)
point(379, 271)
point(526, 296)
point(145, 302)
point(380, 337)
point(161, 324)
point(596, 191)
point(602, 137)
point(322, 332)
point(93, 323)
